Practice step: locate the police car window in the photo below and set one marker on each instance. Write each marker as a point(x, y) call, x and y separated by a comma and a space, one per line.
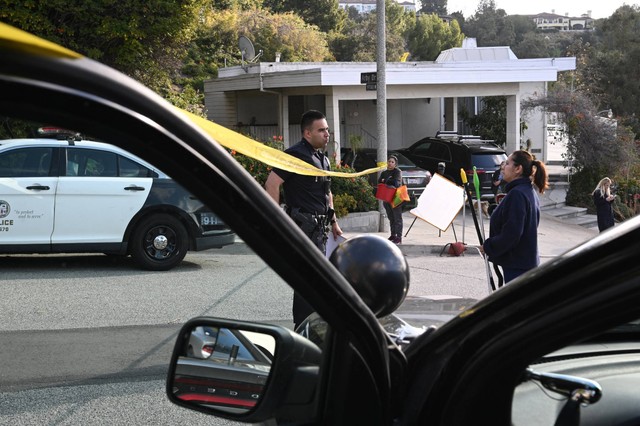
point(129, 168)
point(26, 162)
point(90, 162)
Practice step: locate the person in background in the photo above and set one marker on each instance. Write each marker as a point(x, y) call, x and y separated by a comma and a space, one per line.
point(393, 177)
point(513, 231)
point(441, 171)
point(603, 199)
point(308, 199)
point(497, 183)
point(497, 186)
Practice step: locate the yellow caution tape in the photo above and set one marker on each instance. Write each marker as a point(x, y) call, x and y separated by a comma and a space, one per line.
point(15, 39)
point(263, 153)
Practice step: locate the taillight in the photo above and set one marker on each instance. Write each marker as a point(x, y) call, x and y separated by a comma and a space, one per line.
point(470, 172)
point(207, 350)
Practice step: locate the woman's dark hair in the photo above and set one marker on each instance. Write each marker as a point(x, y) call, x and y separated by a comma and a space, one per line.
point(394, 157)
point(532, 168)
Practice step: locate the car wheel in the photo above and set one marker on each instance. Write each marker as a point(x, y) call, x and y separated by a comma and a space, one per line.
point(159, 243)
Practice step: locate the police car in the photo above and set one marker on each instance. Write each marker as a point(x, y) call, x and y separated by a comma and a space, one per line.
point(63, 194)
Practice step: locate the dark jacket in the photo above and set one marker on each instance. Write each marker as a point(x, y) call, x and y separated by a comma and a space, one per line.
point(391, 177)
point(310, 194)
point(513, 234)
point(604, 210)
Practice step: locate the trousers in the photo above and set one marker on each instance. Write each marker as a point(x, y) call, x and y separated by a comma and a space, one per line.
point(395, 218)
point(314, 227)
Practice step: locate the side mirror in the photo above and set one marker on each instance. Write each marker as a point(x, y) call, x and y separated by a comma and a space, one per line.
point(244, 371)
point(376, 269)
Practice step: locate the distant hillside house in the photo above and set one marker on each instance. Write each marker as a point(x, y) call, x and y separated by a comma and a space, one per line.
point(551, 21)
point(366, 6)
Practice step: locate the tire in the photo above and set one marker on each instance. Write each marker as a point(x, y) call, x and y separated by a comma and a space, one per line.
point(159, 242)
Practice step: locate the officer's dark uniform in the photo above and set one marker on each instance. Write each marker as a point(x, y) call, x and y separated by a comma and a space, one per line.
point(307, 201)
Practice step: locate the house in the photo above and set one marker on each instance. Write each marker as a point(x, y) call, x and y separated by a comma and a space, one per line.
point(366, 6)
point(552, 21)
point(268, 98)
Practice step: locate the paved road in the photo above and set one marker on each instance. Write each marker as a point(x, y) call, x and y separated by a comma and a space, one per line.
point(87, 339)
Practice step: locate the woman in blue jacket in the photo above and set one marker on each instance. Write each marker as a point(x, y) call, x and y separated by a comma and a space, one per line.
point(513, 232)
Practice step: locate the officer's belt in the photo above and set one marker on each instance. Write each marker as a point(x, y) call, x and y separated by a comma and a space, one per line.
point(307, 221)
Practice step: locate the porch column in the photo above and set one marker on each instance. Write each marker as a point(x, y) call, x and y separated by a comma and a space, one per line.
point(332, 105)
point(513, 124)
point(285, 121)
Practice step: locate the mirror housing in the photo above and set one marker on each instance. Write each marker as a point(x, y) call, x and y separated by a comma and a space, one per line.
point(281, 384)
point(376, 269)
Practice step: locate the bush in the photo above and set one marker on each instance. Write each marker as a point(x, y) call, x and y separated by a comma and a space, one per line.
point(343, 204)
point(581, 186)
point(256, 168)
point(627, 203)
point(583, 183)
point(357, 188)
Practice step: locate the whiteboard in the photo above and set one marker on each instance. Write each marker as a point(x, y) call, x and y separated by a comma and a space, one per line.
point(440, 202)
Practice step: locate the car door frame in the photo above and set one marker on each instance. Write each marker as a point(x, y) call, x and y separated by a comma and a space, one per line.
point(478, 358)
point(84, 95)
point(31, 200)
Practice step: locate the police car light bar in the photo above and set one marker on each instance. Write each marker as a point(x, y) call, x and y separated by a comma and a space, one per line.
point(59, 133)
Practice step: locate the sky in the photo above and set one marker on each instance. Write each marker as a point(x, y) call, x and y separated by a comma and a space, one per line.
point(599, 8)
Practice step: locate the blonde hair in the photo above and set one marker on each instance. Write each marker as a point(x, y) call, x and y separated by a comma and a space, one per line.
point(601, 187)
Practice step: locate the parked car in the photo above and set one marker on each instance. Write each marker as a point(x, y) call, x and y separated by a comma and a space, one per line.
point(569, 325)
point(63, 194)
point(413, 176)
point(459, 152)
point(229, 374)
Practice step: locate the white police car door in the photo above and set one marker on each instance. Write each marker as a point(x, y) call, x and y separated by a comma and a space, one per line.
point(93, 203)
point(27, 194)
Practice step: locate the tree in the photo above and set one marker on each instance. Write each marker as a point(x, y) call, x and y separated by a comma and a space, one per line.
point(325, 14)
point(532, 45)
point(214, 45)
point(235, 4)
point(597, 146)
point(430, 36)
point(439, 7)
point(489, 26)
point(286, 33)
point(357, 41)
point(618, 56)
point(491, 122)
point(144, 40)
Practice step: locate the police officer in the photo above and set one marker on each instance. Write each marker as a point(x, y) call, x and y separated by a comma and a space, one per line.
point(308, 199)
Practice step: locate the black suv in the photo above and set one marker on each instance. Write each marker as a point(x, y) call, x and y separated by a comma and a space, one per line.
point(458, 152)
point(413, 176)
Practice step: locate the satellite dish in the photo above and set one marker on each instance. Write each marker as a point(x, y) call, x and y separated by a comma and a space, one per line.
point(247, 49)
point(248, 52)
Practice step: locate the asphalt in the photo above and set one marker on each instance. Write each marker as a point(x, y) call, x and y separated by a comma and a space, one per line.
point(555, 236)
point(558, 231)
